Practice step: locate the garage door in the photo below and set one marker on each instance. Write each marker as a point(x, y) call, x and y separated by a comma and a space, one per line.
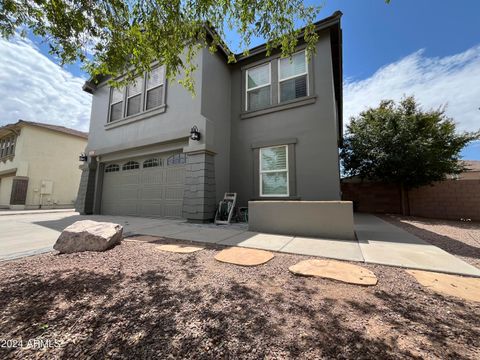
point(148, 186)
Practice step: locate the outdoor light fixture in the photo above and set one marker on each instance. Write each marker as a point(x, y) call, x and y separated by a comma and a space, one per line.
point(194, 133)
point(83, 157)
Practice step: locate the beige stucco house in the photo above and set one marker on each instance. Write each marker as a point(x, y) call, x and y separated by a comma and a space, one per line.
point(39, 165)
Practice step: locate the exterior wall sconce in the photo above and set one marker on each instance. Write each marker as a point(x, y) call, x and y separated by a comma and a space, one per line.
point(194, 133)
point(83, 157)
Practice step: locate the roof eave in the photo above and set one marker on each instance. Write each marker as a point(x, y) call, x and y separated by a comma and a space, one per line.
point(319, 25)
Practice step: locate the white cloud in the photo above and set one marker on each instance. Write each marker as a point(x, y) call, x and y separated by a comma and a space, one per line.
point(34, 88)
point(451, 80)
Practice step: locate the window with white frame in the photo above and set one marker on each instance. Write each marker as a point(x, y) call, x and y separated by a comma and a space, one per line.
point(155, 79)
point(134, 96)
point(145, 93)
point(116, 104)
point(258, 89)
point(292, 77)
point(274, 171)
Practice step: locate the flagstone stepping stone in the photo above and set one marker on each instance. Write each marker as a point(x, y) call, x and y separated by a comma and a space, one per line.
point(337, 270)
point(181, 249)
point(462, 287)
point(244, 256)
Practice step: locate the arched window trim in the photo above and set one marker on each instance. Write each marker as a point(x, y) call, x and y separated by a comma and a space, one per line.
point(176, 159)
point(131, 165)
point(112, 168)
point(153, 162)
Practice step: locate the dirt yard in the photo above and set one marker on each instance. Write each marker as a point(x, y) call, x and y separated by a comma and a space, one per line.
point(459, 238)
point(138, 303)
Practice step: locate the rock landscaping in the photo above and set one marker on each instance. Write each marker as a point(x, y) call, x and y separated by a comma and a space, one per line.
point(87, 235)
point(336, 270)
point(135, 302)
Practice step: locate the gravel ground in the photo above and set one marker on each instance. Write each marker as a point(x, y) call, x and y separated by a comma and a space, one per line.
point(459, 238)
point(136, 302)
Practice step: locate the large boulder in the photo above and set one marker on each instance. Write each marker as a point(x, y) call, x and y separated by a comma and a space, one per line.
point(87, 235)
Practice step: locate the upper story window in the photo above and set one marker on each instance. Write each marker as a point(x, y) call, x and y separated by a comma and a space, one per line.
point(7, 146)
point(134, 96)
point(155, 80)
point(258, 92)
point(116, 104)
point(274, 171)
point(145, 93)
point(292, 77)
point(277, 81)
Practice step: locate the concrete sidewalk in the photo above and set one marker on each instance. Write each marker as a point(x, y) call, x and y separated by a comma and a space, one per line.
point(378, 241)
point(385, 244)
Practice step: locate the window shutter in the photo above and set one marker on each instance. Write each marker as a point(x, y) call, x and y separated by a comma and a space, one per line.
point(19, 191)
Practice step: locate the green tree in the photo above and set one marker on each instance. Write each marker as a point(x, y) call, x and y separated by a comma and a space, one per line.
point(116, 37)
point(403, 144)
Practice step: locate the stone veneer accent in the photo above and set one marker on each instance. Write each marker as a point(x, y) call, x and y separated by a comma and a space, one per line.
point(199, 198)
point(86, 191)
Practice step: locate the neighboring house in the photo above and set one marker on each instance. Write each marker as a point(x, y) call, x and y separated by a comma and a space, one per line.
point(39, 165)
point(472, 171)
point(269, 129)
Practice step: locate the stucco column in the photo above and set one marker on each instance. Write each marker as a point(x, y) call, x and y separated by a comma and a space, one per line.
point(199, 200)
point(86, 190)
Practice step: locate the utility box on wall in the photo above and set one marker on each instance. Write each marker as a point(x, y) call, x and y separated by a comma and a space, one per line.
point(46, 188)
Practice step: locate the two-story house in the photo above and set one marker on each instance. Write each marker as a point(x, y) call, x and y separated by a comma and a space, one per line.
point(268, 128)
point(39, 165)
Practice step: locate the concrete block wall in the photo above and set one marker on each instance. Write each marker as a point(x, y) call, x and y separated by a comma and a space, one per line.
point(373, 197)
point(199, 199)
point(448, 199)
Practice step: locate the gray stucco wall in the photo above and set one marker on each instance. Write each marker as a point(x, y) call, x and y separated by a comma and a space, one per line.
point(216, 107)
point(313, 126)
point(182, 112)
point(230, 138)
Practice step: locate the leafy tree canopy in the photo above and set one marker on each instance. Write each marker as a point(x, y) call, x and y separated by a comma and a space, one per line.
point(403, 144)
point(114, 37)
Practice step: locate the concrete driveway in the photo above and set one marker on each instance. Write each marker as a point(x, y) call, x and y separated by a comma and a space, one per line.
point(25, 233)
point(378, 241)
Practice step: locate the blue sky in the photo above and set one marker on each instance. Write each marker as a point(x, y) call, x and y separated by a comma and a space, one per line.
point(429, 48)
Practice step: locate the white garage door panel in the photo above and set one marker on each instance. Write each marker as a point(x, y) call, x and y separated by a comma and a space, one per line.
point(152, 191)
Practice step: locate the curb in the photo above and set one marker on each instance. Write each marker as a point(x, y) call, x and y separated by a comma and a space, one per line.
point(33, 212)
